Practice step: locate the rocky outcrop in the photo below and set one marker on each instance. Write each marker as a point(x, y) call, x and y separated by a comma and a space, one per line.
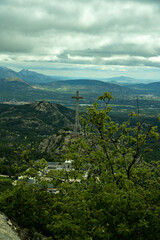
point(56, 143)
point(44, 106)
point(9, 230)
point(60, 115)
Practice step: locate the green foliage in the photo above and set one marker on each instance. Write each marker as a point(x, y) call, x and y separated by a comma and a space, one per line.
point(114, 193)
point(15, 160)
point(113, 156)
point(5, 184)
point(120, 146)
point(28, 205)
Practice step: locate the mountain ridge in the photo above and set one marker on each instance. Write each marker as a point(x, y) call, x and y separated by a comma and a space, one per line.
point(34, 77)
point(26, 75)
point(14, 83)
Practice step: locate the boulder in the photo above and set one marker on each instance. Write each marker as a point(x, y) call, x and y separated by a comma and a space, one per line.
point(8, 230)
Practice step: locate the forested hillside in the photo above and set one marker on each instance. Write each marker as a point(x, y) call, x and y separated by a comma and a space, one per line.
point(30, 122)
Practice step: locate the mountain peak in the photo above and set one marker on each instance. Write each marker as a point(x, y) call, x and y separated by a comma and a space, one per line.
point(44, 106)
point(7, 73)
point(24, 70)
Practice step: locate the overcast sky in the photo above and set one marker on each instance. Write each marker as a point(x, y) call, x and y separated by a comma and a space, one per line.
point(82, 38)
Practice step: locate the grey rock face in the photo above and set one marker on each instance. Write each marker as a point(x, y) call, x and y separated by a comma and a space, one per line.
point(56, 143)
point(7, 229)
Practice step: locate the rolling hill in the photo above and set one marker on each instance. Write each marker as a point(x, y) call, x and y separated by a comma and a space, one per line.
point(150, 88)
point(14, 83)
point(87, 87)
point(16, 89)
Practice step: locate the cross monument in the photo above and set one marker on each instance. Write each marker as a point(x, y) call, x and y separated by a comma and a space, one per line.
point(77, 126)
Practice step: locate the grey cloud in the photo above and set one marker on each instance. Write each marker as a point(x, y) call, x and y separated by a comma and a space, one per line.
point(133, 62)
point(15, 43)
point(120, 62)
point(116, 54)
point(67, 17)
point(150, 2)
point(122, 49)
point(95, 29)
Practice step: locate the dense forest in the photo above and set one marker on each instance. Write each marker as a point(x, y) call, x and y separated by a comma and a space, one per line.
point(111, 191)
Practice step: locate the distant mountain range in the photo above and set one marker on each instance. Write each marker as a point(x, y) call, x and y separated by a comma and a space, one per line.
point(26, 75)
point(31, 86)
point(88, 87)
point(61, 91)
point(122, 80)
point(34, 77)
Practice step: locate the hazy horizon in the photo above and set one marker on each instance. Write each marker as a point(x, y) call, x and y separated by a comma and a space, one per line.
point(63, 77)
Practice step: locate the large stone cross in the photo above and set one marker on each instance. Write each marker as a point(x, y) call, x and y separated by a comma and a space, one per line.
point(77, 126)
